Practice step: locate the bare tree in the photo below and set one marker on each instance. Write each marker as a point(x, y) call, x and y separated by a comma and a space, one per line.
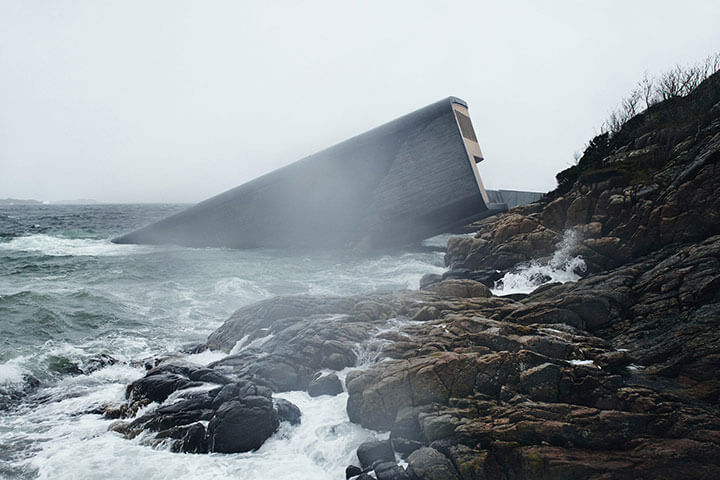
point(676, 82)
point(646, 86)
point(669, 84)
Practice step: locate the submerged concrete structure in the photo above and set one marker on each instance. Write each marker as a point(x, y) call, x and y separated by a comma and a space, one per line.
point(399, 183)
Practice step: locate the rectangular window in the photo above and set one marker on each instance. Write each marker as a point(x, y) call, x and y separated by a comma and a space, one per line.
point(465, 126)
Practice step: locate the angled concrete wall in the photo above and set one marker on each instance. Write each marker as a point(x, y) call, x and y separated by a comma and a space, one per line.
point(398, 183)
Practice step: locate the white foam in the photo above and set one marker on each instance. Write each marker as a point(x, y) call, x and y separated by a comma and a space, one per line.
point(206, 357)
point(562, 267)
point(319, 448)
point(11, 372)
point(581, 362)
point(61, 246)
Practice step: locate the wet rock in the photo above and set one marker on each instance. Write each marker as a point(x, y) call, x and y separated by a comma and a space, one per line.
point(209, 375)
point(390, 471)
point(459, 288)
point(405, 447)
point(328, 384)
point(487, 276)
point(287, 411)
point(429, 464)
point(375, 451)
point(97, 362)
point(194, 440)
point(242, 425)
point(352, 471)
point(187, 438)
point(156, 387)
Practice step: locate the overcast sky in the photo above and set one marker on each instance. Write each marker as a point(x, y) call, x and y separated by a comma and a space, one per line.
point(154, 101)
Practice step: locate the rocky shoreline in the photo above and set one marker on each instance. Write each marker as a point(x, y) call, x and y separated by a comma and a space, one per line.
point(616, 375)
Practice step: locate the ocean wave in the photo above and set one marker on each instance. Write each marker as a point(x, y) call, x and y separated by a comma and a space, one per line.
point(62, 246)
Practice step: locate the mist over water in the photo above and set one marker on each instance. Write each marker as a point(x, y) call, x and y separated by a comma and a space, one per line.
point(68, 295)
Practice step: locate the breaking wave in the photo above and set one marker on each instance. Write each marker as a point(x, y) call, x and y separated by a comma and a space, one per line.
point(60, 246)
point(562, 267)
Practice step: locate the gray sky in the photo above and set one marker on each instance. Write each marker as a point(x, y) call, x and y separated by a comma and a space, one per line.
point(150, 101)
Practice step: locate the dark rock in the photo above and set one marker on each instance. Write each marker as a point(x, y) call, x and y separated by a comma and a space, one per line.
point(156, 387)
point(242, 425)
point(194, 440)
point(375, 451)
point(429, 464)
point(390, 471)
point(542, 382)
point(188, 438)
point(487, 276)
point(287, 411)
point(404, 446)
point(406, 424)
point(352, 471)
point(209, 375)
point(238, 390)
point(97, 362)
point(325, 385)
point(459, 288)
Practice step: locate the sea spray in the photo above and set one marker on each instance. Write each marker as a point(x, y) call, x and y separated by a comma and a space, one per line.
point(562, 267)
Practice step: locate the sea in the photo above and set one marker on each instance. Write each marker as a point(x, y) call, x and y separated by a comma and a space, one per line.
point(79, 316)
point(70, 298)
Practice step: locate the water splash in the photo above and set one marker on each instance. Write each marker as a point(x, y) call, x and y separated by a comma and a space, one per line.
point(562, 267)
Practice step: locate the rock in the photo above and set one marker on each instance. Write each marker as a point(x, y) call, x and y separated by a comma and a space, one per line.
point(193, 348)
point(325, 385)
point(209, 375)
point(429, 279)
point(194, 440)
point(406, 424)
point(287, 411)
point(375, 451)
point(97, 362)
point(542, 382)
point(405, 447)
point(242, 425)
point(187, 439)
point(459, 288)
point(390, 471)
point(156, 387)
point(487, 276)
point(429, 464)
point(352, 471)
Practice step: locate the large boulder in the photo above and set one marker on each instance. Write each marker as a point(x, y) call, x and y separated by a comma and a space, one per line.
point(328, 384)
point(429, 464)
point(375, 451)
point(242, 425)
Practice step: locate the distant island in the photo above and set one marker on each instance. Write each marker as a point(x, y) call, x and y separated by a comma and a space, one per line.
point(18, 201)
point(79, 201)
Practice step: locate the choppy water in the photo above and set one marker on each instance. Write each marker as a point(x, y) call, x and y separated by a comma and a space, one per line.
point(67, 295)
